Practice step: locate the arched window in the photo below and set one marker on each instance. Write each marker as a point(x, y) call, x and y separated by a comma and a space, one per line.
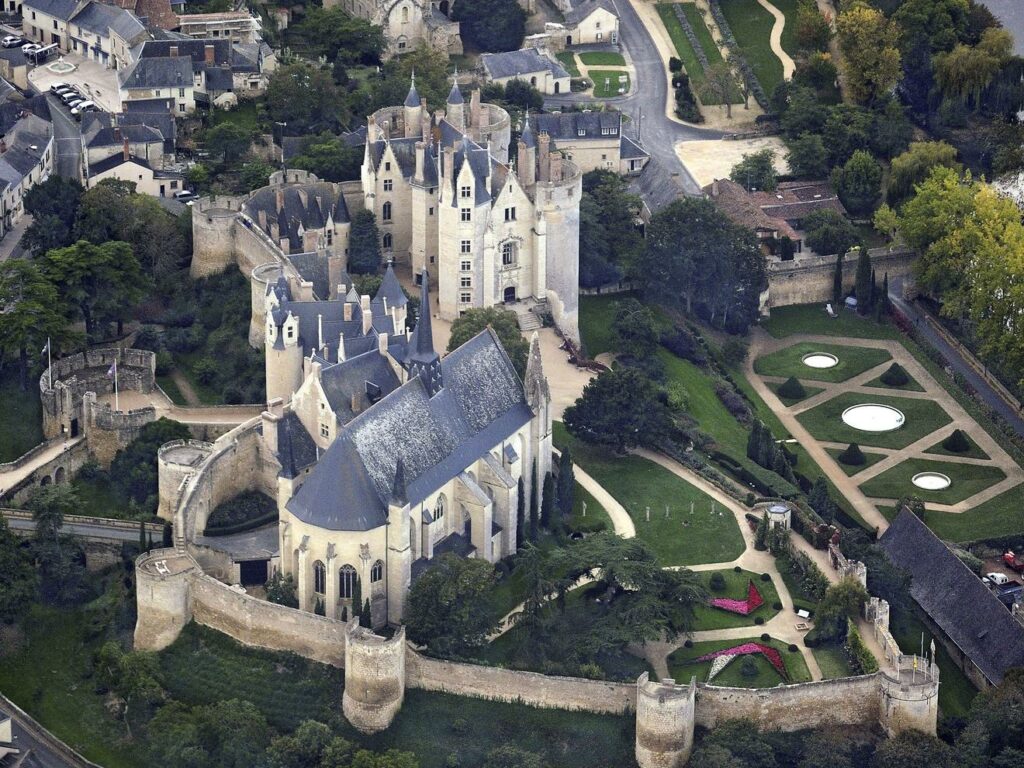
point(385, 213)
point(439, 507)
point(405, 14)
point(319, 578)
point(533, 81)
point(347, 582)
point(377, 571)
point(387, 240)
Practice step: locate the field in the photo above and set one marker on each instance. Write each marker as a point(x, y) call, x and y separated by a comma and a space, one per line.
point(602, 59)
point(735, 588)
point(21, 418)
point(767, 676)
point(789, 362)
point(968, 479)
point(684, 538)
point(751, 25)
point(607, 82)
point(923, 417)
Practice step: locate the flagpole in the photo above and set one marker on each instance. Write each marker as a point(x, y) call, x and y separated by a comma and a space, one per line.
point(117, 400)
point(49, 362)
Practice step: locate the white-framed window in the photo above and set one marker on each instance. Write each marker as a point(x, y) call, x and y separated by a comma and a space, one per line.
point(385, 211)
point(466, 266)
point(581, 132)
point(388, 185)
point(465, 246)
point(465, 191)
point(465, 298)
point(347, 581)
point(377, 571)
point(466, 281)
point(319, 578)
point(510, 213)
point(465, 214)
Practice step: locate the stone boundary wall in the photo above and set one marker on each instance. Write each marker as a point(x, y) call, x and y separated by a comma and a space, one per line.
point(263, 624)
point(105, 522)
point(845, 701)
point(70, 460)
point(809, 279)
point(26, 457)
point(25, 721)
point(518, 687)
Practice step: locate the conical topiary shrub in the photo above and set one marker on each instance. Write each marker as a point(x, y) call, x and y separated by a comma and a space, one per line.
point(852, 456)
point(957, 442)
point(895, 376)
point(792, 389)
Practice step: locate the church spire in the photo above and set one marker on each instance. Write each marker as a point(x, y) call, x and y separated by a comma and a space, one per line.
point(424, 361)
point(455, 95)
point(413, 99)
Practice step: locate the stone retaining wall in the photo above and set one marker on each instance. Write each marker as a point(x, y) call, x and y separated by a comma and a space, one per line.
point(808, 279)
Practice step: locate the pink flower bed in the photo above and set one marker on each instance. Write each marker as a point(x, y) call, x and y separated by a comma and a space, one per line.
point(773, 656)
point(742, 607)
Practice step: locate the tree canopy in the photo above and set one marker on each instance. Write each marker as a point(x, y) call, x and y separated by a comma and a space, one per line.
point(871, 56)
point(756, 171)
point(504, 324)
point(490, 25)
point(621, 409)
point(306, 98)
point(364, 253)
point(31, 314)
point(448, 607)
point(134, 469)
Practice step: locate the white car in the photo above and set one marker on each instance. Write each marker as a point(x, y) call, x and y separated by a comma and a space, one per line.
point(10, 41)
point(56, 87)
point(997, 578)
point(83, 106)
point(30, 48)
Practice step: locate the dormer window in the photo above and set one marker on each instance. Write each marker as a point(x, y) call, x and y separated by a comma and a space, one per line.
point(581, 132)
point(465, 191)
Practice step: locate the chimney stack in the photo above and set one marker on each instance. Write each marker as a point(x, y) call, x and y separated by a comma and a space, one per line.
point(421, 150)
point(526, 165)
point(127, 149)
point(117, 133)
point(279, 196)
point(347, 312)
point(543, 143)
point(367, 321)
point(209, 53)
point(449, 164)
point(173, 53)
point(556, 166)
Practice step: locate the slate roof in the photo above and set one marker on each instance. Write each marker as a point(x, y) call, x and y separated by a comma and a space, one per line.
point(15, 56)
point(568, 125)
point(793, 200)
point(295, 448)
point(219, 79)
point(584, 9)
point(304, 206)
point(954, 597)
point(26, 139)
point(369, 377)
point(391, 290)
point(481, 403)
point(522, 62)
point(98, 131)
point(156, 113)
point(114, 161)
point(58, 9)
point(99, 18)
point(478, 157)
point(191, 47)
point(159, 73)
point(656, 186)
point(412, 99)
point(630, 150)
point(404, 150)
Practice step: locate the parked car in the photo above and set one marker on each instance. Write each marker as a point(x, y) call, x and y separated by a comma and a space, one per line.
point(58, 87)
point(82, 107)
point(30, 48)
point(65, 90)
point(997, 578)
point(184, 195)
point(1009, 592)
point(11, 41)
point(72, 95)
point(72, 103)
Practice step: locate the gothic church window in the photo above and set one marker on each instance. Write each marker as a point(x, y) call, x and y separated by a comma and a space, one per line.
point(387, 240)
point(347, 580)
point(386, 211)
point(439, 508)
point(319, 578)
point(377, 572)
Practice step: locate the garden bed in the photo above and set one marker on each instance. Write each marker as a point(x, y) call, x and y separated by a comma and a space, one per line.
point(736, 584)
point(923, 417)
point(682, 666)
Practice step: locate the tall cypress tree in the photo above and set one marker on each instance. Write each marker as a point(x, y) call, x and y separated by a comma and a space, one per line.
point(837, 284)
point(754, 440)
point(534, 511)
point(142, 537)
point(862, 287)
point(566, 484)
point(520, 514)
point(547, 504)
point(366, 615)
point(874, 289)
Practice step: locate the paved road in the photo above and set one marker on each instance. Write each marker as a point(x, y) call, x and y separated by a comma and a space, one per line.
point(646, 104)
point(68, 141)
point(957, 361)
point(84, 530)
point(10, 245)
point(40, 756)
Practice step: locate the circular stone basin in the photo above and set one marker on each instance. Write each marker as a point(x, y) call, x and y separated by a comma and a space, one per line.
point(931, 481)
point(61, 67)
point(872, 417)
point(820, 360)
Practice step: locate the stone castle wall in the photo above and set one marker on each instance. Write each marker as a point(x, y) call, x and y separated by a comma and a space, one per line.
point(58, 470)
point(513, 686)
point(808, 279)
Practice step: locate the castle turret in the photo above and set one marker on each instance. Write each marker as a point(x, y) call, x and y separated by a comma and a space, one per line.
point(413, 110)
point(374, 678)
point(283, 354)
point(456, 105)
point(664, 723)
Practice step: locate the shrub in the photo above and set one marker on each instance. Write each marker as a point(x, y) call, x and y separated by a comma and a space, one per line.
point(245, 511)
point(737, 569)
point(852, 456)
point(733, 401)
point(957, 442)
point(792, 389)
point(766, 577)
point(759, 620)
point(680, 342)
point(674, 64)
point(895, 376)
point(751, 498)
point(793, 648)
point(777, 605)
point(765, 637)
point(717, 581)
point(688, 644)
point(749, 667)
point(460, 726)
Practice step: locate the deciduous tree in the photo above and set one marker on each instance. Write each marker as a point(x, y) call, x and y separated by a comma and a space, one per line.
point(858, 183)
point(871, 57)
point(491, 25)
point(505, 326)
point(31, 314)
point(756, 171)
point(448, 607)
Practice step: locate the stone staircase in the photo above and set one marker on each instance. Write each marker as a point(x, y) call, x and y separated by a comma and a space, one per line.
point(529, 312)
point(528, 321)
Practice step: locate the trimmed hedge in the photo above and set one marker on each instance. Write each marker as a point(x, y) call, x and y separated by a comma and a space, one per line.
point(242, 513)
point(957, 442)
point(792, 389)
point(862, 660)
point(852, 456)
point(895, 376)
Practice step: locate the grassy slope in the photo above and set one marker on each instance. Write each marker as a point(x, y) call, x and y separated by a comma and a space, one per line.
point(682, 45)
point(21, 418)
point(568, 60)
point(968, 479)
point(751, 25)
point(789, 362)
point(638, 483)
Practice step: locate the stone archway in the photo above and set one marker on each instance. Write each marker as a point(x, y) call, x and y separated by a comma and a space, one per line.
point(60, 476)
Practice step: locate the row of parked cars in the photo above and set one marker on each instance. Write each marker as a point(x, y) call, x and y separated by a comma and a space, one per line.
point(74, 99)
point(34, 52)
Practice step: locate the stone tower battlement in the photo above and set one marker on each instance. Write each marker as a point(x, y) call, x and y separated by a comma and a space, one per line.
point(374, 678)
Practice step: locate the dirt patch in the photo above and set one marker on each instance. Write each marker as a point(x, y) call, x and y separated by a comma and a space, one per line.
point(713, 159)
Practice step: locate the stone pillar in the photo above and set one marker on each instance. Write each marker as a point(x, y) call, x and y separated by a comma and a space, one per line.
point(331, 597)
point(374, 678)
point(664, 723)
point(302, 577)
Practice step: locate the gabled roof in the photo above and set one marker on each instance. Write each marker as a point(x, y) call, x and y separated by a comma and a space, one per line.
point(169, 72)
point(115, 161)
point(481, 404)
point(99, 18)
point(368, 377)
point(58, 9)
point(630, 150)
point(954, 597)
point(574, 126)
point(192, 47)
point(587, 7)
point(526, 61)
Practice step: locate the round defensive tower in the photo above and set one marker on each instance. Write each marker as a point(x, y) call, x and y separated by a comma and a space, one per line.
point(374, 678)
point(213, 235)
point(162, 583)
point(909, 696)
point(664, 723)
point(262, 277)
point(176, 461)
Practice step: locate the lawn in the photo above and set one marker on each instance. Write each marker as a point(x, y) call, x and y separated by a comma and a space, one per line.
point(968, 479)
point(602, 59)
point(767, 676)
point(869, 459)
point(735, 588)
point(607, 83)
point(833, 661)
point(568, 60)
point(684, 51)
point(789, 362)
point(999, 516)
point(910, 386)
point(812, 318)
point(597, 313)
point(21, 418)
point(685, 537)
point(922, 417)
point(751, 25)
point(245, 115)
point(48, 678)
point(974, 452)
point(789, 9)
point(808, 392)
